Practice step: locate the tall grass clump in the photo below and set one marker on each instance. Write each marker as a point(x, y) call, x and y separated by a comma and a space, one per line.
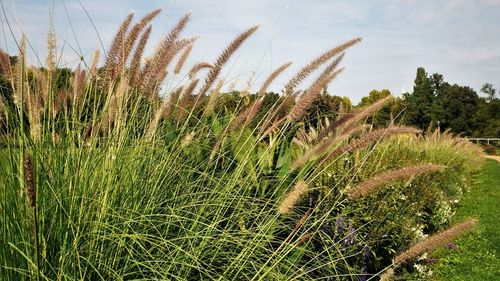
point(105, 176)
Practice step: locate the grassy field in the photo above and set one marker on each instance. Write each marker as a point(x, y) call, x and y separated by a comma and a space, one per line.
point(477, 254)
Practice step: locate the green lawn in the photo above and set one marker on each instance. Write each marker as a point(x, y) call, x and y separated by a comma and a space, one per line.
point(477, 256)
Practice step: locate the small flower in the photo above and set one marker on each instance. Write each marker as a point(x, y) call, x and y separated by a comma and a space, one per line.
point(452, 246)
point(431, 260)
point(339, 226)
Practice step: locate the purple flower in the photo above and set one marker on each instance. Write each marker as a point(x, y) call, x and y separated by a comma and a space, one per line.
point(366, 252)
point(452, 246)
point(350, 235)
point(339, 226)
point(431, 260)
point(326, 227)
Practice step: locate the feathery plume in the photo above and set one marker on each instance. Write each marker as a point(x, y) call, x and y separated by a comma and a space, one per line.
point(154, 77)
point(367, 139)
point(373, 183)
point(387, 275)
point(51, 49)
point(299, 189)
point(20, 85)
point(311, 95)
point(197, 67)
point(163, 50)
point(308, 69)
point(183, 59)
point(29, 178)
point(136, 59)
point(434, 241)
point(273, 76)
point(162, 112)
point(346, 121)
point(173, 100)
point(187, 139)
point(95, 62)
point(133, 35)
point(223, 58)
point(212, 99)
point(185, 100)
point(246, 116)
point(320, 149)
point(116, 49)
point(5, 65)
point(78, 86)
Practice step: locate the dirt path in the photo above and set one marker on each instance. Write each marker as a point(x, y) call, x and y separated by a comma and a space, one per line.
point(493, 157)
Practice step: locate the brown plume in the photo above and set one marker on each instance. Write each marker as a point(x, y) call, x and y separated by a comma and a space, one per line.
point(223, 58)
point(373, 183)
point(182, 59)
point(308, 69)
point(367, 139)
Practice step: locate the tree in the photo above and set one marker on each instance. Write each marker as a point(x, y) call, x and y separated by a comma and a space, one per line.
point(420, 105)
point(488, 89)
point(457, 105)
point(374, 96)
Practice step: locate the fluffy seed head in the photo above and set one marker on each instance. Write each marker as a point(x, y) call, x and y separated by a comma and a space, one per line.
point(292, 197)
point(29, 177)
point(224, 57)
point(373, 183)
point(369, 138)
point(434, 241)
point(309, 68)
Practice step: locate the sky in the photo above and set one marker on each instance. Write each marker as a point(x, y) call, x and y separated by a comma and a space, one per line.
point(459, 39)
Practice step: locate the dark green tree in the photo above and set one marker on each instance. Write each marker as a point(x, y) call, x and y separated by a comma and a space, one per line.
point(421, 110)
point(457, 106)
point(488, 89)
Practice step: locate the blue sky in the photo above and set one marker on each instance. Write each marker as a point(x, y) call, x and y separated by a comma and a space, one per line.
point(459, 39)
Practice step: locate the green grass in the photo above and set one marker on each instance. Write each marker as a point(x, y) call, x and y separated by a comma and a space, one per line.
point(477, 254)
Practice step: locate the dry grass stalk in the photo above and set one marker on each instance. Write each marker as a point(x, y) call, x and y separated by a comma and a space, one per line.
point(173, 100)
point(246, 116)
point(133, 35)
point(311, 95)
point(185, 100)
point(387, 275)
point(271, 78)
point(367, 139)
point(277, 116)
point(116, 104)
point(158, 72)
point(164, 53)
point(51, 49)
point(78, 86)
point(434, 241)
point(29, 178)
point(223, 58)
point(116, 49)
point(135, 64)
point(212, 99)
point(299, 189)
point(95, 62)
point(5, 65)
point(188, 139)
point(323, 147)
point(183, 59)
point(197, 67)
point(350, 120)
point(163, 111)
point(20, 85)
point(309, 68)
point(373, 183)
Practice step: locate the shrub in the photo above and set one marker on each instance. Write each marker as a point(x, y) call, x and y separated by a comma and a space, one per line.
point(103, 179)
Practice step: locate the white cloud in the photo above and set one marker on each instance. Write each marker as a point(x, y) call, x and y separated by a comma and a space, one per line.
point(452, 37)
